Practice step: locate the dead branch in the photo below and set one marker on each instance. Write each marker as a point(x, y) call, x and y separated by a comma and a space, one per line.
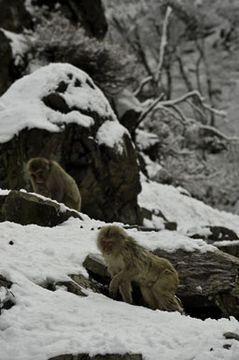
point(183, 118)
point(183, 72)
point(163, 43)
point(191, 94)
point(170, 111)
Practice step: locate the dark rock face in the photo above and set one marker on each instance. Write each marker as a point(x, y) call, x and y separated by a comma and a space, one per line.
point(84, 356)
point(7, 297)
point(24, 209)
point(76, 286)
point(89, 13)
point(5, 62)
point(14, 16)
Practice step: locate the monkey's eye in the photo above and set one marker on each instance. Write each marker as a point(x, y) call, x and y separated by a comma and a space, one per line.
point(37, 175)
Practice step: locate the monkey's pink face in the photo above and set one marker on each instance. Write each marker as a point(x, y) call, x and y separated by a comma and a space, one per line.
point(38, 176)
point(107, 245)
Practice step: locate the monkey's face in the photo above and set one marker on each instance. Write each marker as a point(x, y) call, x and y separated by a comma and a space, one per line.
point(38, 169)
point(107, 246)
point(110, 239)
point(38, 176)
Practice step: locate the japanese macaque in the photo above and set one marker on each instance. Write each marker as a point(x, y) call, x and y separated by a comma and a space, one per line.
point(127, 261)
point(49, 179)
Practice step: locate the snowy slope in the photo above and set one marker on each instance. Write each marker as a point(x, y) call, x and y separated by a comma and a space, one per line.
point(189, 213)
point(44, 324)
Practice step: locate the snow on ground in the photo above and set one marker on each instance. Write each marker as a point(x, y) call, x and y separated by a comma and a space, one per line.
point(44, 324)
point(22, 107)
point(189, 213)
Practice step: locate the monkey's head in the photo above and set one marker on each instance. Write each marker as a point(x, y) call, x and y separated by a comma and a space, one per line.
point(38, 169)
point(110, 239)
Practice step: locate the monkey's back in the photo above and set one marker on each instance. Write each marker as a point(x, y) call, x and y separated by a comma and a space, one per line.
point(150, 266)
point(71, 193)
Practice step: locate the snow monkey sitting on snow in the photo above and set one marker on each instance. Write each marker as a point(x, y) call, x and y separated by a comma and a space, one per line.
point(49, 179)
point(127, 261)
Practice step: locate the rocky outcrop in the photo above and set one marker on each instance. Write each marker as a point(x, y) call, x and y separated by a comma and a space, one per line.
point(24, 208)
point(85, 138)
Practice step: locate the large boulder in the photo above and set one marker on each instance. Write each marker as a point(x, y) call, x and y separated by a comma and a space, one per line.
point(59, 113)
point(24, 208)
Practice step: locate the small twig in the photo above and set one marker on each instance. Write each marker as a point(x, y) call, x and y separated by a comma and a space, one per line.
point(147, 111)
point(218, 133)
point(170, 111)
point(183, 72)
point(142, 84)
point(215, 111)
point(197, 109)
point(181, 114)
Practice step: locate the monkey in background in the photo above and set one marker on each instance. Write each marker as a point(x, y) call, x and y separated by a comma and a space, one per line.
point(49, 179)
point(127, 261)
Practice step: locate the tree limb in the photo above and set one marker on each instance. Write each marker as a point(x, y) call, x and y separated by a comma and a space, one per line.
point(163, 44)
point(218, 133)
point(142, 84)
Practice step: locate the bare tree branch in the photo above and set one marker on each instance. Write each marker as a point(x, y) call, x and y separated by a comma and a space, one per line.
point(218, 133)
point(198, 95)
point(183, 72)
point(170, 111)
point(163, 44)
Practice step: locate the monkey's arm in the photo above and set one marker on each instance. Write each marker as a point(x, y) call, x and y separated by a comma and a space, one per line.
point(57, 188)
point(125, 276)
point(57, 194)
point(126, 292)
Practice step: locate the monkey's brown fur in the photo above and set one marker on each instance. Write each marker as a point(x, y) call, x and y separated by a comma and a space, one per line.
point(49, 179)
point(127, 261)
